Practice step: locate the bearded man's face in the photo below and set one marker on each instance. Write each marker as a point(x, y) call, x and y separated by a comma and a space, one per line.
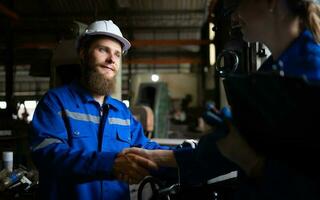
point(100, 64)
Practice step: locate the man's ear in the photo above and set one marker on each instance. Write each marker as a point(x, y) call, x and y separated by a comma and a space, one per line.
point(82, 55)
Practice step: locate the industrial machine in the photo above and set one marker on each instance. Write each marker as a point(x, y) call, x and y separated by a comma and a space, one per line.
point(155, 96)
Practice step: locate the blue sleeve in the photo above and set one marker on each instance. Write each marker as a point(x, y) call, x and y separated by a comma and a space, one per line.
point(139, 139)
point(191, 172)
point(52, 153)
point(204, 162)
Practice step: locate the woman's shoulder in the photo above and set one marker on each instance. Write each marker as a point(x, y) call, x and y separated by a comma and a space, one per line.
point(309, 45)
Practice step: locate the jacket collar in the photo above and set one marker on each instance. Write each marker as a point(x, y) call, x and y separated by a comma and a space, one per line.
point(86, 96)
point(290, 56)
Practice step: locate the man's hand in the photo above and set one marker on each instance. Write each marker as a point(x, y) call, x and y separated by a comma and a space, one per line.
point(125, 168)
point(147, 158)
point(142, 157)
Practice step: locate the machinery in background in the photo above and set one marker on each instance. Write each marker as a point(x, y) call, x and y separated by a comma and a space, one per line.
point(14, 137)
point(156, 96)
point(65, 61)
point(144, 114)
point(64, 64)
point(19, 183)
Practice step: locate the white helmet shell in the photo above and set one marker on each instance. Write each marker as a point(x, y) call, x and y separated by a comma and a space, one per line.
point(107, 28)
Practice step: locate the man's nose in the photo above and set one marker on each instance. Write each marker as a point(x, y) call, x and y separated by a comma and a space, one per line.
point(111, 58)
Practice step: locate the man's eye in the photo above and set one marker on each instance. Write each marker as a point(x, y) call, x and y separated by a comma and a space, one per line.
point(102, 50)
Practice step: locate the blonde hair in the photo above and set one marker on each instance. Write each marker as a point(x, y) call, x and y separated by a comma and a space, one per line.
point(309, 12)
point(312, 19)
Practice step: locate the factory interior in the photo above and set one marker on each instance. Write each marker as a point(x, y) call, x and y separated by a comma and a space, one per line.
point(174, 71)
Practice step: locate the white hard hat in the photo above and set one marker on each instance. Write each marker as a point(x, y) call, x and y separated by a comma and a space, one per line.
point(107, 28)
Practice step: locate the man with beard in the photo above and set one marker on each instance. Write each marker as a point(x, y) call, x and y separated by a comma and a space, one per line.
point(79, 130)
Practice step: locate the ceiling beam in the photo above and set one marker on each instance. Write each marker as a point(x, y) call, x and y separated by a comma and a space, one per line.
point(140, 52)
point(120, 13)
point(193, 28)
point(163, 61)
point(143, 43)
point(37, 45)
point(134, 43)
point(151, 12)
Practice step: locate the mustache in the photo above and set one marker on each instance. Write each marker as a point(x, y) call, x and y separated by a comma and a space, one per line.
point(96, 82)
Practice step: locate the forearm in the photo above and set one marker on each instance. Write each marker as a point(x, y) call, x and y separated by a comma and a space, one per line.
point(164, 158)
point(65, 162)
point(237, 150)
point(203, 163)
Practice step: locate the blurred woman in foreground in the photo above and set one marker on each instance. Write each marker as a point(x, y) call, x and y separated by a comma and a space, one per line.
point(291, 30)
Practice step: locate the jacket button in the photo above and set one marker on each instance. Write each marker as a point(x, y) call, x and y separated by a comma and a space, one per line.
point(76, 133)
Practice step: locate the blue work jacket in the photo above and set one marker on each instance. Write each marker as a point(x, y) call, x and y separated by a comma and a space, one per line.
point(75, 142)
point(301, 58)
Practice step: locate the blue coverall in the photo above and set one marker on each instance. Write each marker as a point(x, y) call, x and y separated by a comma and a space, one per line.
point(75, 142)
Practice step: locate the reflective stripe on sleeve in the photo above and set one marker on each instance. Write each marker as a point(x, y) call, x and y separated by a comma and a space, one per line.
point(119, 121)
point(81, 116)
point(46, 142)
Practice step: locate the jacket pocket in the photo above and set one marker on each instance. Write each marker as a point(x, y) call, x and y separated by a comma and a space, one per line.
point(123, 134)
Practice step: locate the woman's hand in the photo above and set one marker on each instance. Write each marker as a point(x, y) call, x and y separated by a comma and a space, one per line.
point(236, 149)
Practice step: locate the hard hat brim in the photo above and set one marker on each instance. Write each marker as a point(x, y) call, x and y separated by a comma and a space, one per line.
point(125, 43)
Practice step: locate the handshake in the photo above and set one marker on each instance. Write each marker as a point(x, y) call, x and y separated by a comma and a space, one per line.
point(133, 164)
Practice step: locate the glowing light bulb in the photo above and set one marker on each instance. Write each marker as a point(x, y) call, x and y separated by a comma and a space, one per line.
point(154, 77)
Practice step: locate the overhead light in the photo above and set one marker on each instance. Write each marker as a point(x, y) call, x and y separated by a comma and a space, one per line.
point(154, 77)
point(3, 105)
